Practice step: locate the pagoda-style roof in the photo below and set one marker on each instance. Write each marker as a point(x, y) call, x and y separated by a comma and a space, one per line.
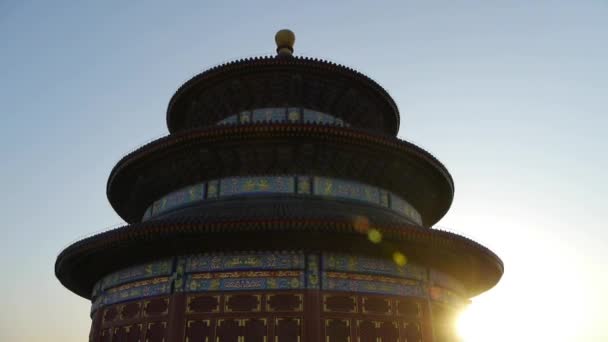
point(80, 265)
point(190, 157)
point(259, 82)
point(281, 190)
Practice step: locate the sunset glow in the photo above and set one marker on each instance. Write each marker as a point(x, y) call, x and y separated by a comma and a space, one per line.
point(510, 96)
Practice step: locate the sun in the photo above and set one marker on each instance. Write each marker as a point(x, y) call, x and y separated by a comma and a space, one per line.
point(467, 326)
point(479, 322)
point(508, 322)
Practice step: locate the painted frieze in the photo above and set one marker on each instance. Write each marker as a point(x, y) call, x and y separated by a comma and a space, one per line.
point(281, 184)
point(136, 290)
point(252, 185)
point(245, 261)
point(370, 265)
point(365, 283)
point(346, 189)
point(282, 115)
point(249, 280)
point(263, 271)
point(150, 270)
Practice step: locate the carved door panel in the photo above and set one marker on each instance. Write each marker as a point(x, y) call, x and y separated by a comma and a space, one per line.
point(199, 331)
point(156, 332)
point(228, 330)
point(337, 330)
point(254, 330)
point(288, 330)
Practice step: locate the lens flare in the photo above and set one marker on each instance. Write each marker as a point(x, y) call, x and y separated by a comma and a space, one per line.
point(399, 258)
point(361, 224)
point(374, 235)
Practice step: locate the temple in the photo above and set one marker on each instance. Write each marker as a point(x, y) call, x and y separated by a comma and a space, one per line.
point(280, 207)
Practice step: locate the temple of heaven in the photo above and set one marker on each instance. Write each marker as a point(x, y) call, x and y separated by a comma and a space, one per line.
point(280, 207)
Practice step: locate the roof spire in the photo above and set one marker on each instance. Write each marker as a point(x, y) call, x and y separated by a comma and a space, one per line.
point(285, 39)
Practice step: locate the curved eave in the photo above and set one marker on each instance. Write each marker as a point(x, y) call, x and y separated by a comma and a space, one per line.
point(247, 134)
point(80, 265)
point(224, 71)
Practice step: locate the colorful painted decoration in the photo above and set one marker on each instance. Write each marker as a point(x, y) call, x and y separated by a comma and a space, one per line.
point(213, 189)
point(346, 189)
point(362, 264)
point(245, 117)
point(258, 271)
point(400, 205)
point(293, 115)
point(313, 279)
point(384, 198)
point(136, 292)
point(251, 261)
point(333, 281)
point(283, 115)
point(313, 116)
point(251, 185)
point(269, 115)
point(304, 185)
point(259, 185)
point(151, 270)
point(251, 280)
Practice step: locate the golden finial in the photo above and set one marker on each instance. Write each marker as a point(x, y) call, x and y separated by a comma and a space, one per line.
point(285, 40)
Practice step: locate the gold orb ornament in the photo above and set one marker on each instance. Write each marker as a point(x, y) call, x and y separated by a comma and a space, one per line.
point(285, 39)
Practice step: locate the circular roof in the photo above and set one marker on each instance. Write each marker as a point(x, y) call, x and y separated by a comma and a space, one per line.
point(277, 81)
point(191, 157)
point(83, 263)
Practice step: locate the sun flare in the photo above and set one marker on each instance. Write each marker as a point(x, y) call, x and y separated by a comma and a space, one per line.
point(466, 326)
point(488, 316)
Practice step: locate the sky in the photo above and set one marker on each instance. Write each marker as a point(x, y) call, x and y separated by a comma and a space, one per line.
point(511, 96)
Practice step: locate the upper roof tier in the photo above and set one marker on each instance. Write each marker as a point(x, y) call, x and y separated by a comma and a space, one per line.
point(282, 81)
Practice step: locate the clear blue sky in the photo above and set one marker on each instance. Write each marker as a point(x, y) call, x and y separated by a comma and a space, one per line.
point(512, 97)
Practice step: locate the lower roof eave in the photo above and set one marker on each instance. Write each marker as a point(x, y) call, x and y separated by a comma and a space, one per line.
point(83, 263)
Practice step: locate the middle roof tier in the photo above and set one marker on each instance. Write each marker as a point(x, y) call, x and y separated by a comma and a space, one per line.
point(196, 156)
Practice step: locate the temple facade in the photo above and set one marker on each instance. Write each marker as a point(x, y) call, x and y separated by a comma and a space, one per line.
point(280, 207)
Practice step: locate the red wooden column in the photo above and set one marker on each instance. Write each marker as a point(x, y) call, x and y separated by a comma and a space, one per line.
point(177, 317)
point(312, 317)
